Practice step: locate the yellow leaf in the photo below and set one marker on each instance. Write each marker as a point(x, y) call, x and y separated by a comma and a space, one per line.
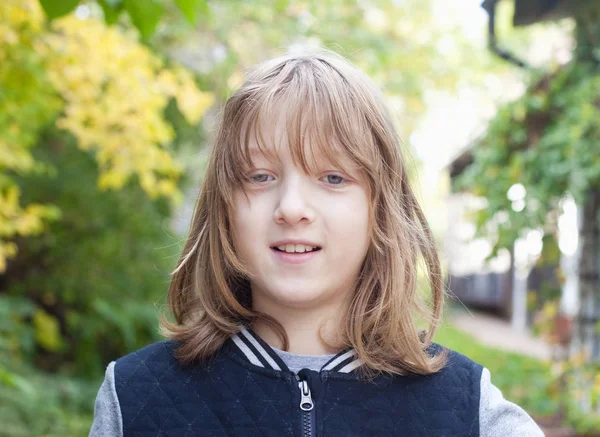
point(47, 331)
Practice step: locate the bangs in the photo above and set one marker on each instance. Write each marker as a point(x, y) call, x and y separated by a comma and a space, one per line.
point(311, 109)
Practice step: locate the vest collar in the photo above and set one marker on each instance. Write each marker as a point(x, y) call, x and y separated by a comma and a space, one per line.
point(259, 353)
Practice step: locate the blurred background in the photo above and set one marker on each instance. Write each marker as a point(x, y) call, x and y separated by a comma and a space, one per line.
point(107, 108)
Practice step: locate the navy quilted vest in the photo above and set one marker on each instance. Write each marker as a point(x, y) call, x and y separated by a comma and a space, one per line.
point(246, 390)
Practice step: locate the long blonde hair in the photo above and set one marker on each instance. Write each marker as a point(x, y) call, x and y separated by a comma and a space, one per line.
point(334, 102)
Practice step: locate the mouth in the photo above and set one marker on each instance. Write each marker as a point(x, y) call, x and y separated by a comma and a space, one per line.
point(291, 254)
point(293, 249)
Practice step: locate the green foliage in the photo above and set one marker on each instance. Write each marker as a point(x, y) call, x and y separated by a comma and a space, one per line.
point(17, 336)
point(34, 404)
point(27, 98)
point(58, 8)
point(145, 14)
point(111, 9)
point(192, 8)
point(583, 423)
point(27, 103)
point(395, 44)
point(47, 331)
point(83, 293)
point(548, 142)
point(68, 74)
point(583, 400)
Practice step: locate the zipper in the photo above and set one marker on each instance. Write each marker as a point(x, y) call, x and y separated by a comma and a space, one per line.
point(307, 407)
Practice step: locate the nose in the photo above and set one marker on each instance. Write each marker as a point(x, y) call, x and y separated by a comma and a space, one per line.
point(294, 203)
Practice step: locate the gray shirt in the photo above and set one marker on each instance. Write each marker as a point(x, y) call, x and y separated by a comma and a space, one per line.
point(497, 416)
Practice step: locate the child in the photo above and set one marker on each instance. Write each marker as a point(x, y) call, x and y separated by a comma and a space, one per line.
point(295, 298)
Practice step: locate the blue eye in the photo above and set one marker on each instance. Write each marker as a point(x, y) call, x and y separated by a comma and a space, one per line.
point(260, 178)
point(335, 179)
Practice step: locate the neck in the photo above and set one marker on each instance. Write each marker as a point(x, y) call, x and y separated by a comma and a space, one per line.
point(301, 326)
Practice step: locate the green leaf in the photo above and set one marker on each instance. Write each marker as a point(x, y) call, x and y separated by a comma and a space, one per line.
point(145, 15)
point(13, 380)
point(112, 9)
point(281, 5)
point(191, 8)
point(58, 8)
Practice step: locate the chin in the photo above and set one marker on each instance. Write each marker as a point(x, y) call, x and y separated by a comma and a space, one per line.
point(296, 297)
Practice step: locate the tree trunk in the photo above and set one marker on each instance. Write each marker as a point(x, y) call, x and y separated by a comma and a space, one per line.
point(587, 336)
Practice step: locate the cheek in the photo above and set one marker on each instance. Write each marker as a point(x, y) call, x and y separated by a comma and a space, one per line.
point(249, 222)
point(351, 223)
point(240, 225)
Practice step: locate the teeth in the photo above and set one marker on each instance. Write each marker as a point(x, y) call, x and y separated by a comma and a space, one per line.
point(295, 248)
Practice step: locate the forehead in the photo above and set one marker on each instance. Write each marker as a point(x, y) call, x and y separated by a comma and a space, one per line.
point(308, 157)
point(283, 134)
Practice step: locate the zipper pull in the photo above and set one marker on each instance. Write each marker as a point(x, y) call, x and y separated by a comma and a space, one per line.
point(306, 402)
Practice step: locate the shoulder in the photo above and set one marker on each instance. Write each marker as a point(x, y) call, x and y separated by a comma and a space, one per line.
point(149, 375)
point(107, 411)
point(455, 387)
point(154, 355)
point(158, 362)
point(497, 416)
point(450, 396)
point(457, 364)
point(500, 417)
point(457, 382)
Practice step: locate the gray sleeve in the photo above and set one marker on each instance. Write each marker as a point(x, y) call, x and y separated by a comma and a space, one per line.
point(501, 418)
point(107, 412)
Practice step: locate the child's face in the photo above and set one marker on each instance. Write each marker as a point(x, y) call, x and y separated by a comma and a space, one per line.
point(328, 208)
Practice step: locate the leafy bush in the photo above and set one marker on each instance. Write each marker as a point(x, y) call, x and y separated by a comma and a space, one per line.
point(35, 404)
point(82, 293)
point(547, 140)
point(67, 74)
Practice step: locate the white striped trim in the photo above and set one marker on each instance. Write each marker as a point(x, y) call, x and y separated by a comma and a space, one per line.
point(246, 350)
point(351, 366)
point(260, 349)
point(339, 359)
